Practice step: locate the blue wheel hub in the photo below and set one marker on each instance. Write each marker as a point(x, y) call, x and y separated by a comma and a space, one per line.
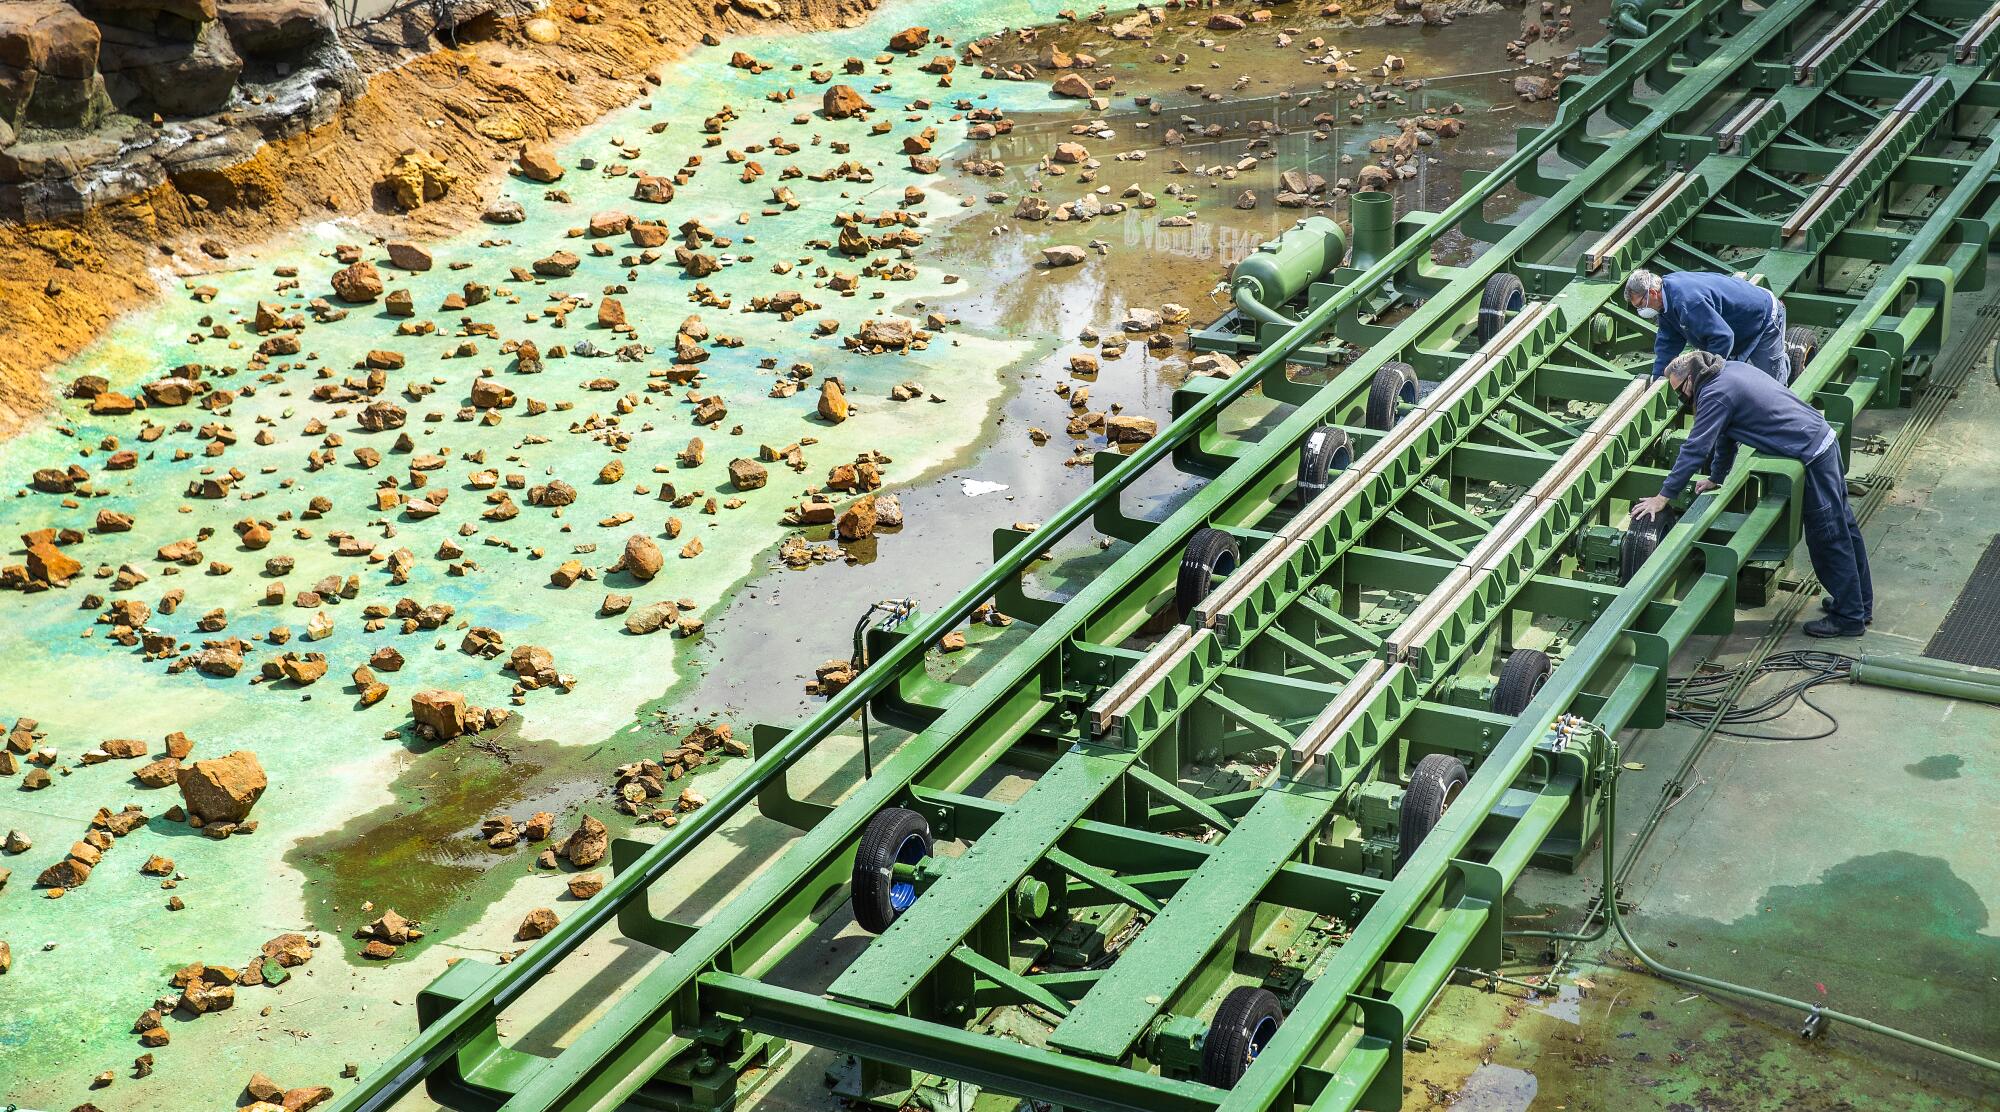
point(903, 893)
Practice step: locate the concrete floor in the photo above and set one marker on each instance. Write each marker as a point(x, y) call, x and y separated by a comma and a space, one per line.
point(1861, 870)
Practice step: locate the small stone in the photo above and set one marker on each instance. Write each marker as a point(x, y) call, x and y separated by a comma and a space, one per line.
point(538, 922)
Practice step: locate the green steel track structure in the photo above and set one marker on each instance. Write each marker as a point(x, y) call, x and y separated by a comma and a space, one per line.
point(1294, 744)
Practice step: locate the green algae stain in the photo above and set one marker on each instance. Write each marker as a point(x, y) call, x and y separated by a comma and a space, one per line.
point(1942, 766)
point(421, 854)
point(1898, 937)
point(1893, 936)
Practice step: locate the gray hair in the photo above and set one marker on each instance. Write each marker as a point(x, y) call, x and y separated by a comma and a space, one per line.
point(1691, 363)
point(1642, 283)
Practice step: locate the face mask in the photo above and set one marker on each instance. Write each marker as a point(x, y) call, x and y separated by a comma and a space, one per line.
point(1649, 313)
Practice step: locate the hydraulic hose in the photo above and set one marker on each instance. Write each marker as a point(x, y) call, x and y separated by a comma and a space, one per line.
point(1246, 291)
point(1613, 920)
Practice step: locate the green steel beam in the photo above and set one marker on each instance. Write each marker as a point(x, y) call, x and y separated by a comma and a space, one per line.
point(996, 1063)
point(1153, 967)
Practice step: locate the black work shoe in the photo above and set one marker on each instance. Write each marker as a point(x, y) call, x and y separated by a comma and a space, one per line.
point(1831, 626)
point(1826, 607)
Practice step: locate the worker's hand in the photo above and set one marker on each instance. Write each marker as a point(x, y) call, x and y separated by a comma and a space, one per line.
point(1703, 486)
point(1648, 507)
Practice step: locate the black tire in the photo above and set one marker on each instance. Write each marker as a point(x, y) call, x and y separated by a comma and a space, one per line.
point(1395, 385)
point(1210, 552)
point(1327, 450)
point(1641, 538)
point(1434, 784)
point(1244, 1024)
point(1522, 675)
point(1504, 294)
point(896, 835)
point(1801, 344)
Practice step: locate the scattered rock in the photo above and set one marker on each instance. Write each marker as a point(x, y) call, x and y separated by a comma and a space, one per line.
point(832, 406)
point(538, 164)
point(748, 474)
point(222, 789)
point(416, 176)
point(443, 713)
point(587, 844)
point(642, 559)
point(358, 283)
point(839, 102)
point(538, 922)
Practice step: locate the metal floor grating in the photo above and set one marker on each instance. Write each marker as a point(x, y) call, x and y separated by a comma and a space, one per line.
point(1971, 632)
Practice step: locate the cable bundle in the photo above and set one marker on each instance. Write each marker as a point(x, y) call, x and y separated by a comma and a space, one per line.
point(1697, 698)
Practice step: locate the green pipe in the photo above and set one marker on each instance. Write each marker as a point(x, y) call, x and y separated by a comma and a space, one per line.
point(1878, 674)
point(1629, 16)
point(1249, 306)
point(1951, 670)
point(1374, 217)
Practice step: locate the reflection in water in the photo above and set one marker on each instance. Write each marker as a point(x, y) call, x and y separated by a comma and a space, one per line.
point(1494, 1088)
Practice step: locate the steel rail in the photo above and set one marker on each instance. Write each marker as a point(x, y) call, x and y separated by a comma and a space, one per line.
point(1432, 417)
point(1155, 967)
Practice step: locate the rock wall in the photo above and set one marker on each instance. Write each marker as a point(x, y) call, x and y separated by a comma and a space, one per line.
point(141, 135)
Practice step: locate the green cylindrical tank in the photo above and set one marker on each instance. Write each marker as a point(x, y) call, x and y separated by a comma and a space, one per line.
point(1282, 267)
point(1374, 217)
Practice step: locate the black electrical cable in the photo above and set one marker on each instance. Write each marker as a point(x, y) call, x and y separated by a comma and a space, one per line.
point(1696, 698)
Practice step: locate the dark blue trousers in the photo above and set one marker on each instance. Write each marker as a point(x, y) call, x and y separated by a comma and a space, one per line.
point(1833, 539)
point(1769, 355)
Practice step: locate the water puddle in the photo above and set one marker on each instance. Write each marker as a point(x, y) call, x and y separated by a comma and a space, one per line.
point(1493, 1088)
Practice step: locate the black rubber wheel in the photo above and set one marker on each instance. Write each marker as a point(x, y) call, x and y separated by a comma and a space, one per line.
point(895, 836)
point(1504, 294)
point(1210, 552)
point(1395, 385)
point(1327, 450)
point(1522, 675)
point(1641, 538)
point(1801, 344)
point(1244, 1024)
point(1434, 783)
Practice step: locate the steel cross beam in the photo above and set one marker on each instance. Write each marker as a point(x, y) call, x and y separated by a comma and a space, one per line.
point(614, 1058)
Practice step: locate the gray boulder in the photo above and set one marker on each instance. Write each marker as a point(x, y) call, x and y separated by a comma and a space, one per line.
point(148, 73)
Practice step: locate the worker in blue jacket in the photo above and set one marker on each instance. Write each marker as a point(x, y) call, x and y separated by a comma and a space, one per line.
point(1738, 404)
point(1722, 314)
